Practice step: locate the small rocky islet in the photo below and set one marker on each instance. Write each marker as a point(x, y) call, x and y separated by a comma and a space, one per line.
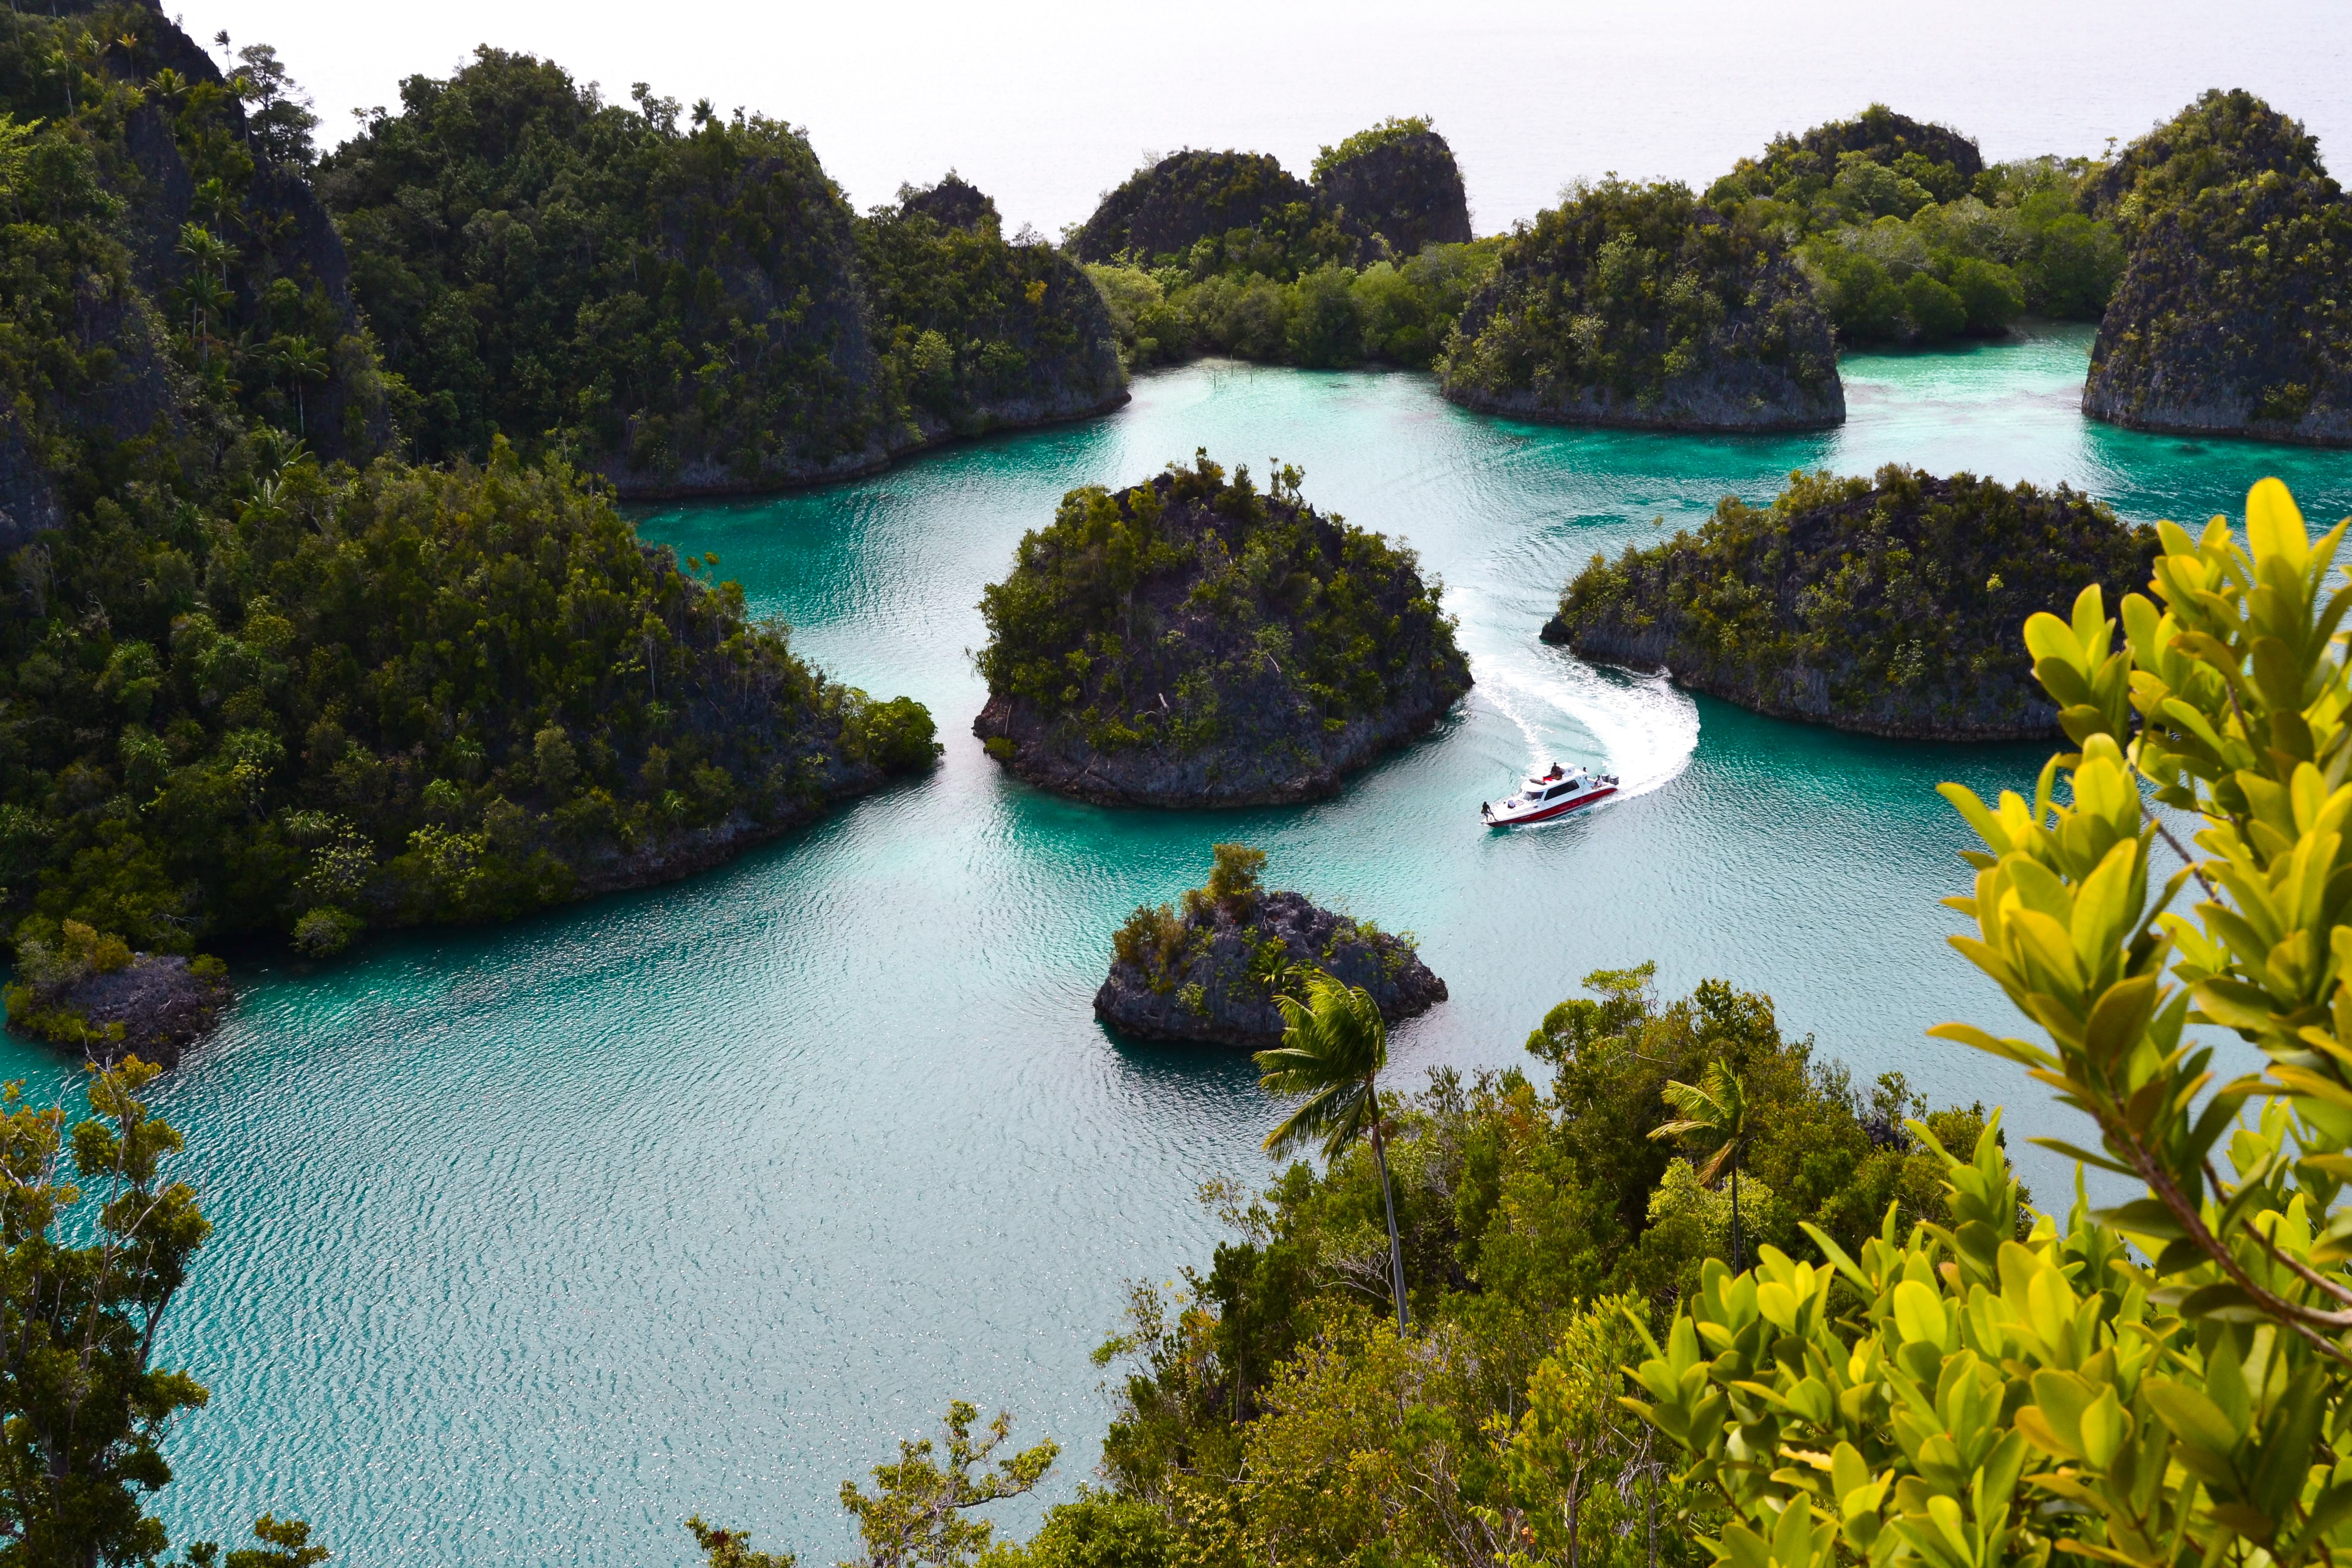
point(1193, 641)
point(1886, 607)
point(1208, 970)
point(84, 991)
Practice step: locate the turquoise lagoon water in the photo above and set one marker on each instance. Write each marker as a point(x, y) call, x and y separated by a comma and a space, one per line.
point(532, 1241)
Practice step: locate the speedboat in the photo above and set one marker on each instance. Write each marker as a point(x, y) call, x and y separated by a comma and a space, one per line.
point(1548, 796)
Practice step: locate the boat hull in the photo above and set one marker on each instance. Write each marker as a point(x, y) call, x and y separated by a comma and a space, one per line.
point(1552, 811)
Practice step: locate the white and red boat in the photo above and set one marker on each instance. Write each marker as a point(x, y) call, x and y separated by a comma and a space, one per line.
point(1549, 795)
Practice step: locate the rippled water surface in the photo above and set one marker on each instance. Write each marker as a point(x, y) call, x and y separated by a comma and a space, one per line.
point(532, 1241)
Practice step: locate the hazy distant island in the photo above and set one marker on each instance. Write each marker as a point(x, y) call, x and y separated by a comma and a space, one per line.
point(2234, 315)
point(1194, 641)
point(1909, 238)
point(1390, 190)
point(1636, 305)
point(1228, 252)
point(1210, 970)
point(1889, 607)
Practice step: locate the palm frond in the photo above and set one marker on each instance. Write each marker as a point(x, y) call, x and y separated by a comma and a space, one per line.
point(1695, 1103)
point(1334, 1046)
point(1335, 1116)
point(1720, 1108)
point(1723, 1087)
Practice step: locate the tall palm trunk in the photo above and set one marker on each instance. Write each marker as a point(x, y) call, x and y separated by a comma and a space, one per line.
point(1388, 1197)
point(1735, 1217)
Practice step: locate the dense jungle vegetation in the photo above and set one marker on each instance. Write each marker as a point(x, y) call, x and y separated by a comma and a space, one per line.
point(1887, 604)
point(2222, 139)
point(1268, 1409)
point(1910, 239)
point(975, 331)
point(593, 279)
point(687, 307)
point(259, 679)
point(1328, 318)
point(1195, 614)
point(1634, 304)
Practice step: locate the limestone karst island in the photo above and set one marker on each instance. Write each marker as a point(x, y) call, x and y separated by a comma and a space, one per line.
point(965, 789)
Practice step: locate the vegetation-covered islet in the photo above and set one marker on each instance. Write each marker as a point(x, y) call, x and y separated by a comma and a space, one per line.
point(1194, 640)
point(1885, 605)
point(1214, 967)
point(1635, 305)
point(1909, 238)
point(2234, 315)
point(686, 307)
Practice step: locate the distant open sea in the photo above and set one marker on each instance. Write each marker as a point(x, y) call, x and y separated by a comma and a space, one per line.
point(1045, 106)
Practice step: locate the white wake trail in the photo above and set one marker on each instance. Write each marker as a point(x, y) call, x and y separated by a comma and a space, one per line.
point(1643, 728)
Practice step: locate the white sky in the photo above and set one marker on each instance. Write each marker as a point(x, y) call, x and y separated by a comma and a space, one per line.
point(1046, 105)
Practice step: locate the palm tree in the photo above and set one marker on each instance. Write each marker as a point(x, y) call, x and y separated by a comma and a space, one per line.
point(208, 294)
point(1331, 1053)
point(305, 363)
point(1719, 1108)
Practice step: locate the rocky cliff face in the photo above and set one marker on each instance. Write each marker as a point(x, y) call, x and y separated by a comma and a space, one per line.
point(1636, 306)
point(125, 235)
point(153, 1007)
point(1186, 197)
point(1399, 195)
point(28, 493)
point(1210, 975)
point(1278, 754)
point(1189, 642)
point(976, 332)
point(283, 230)
point(2234, 317)
point(1888, 608)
